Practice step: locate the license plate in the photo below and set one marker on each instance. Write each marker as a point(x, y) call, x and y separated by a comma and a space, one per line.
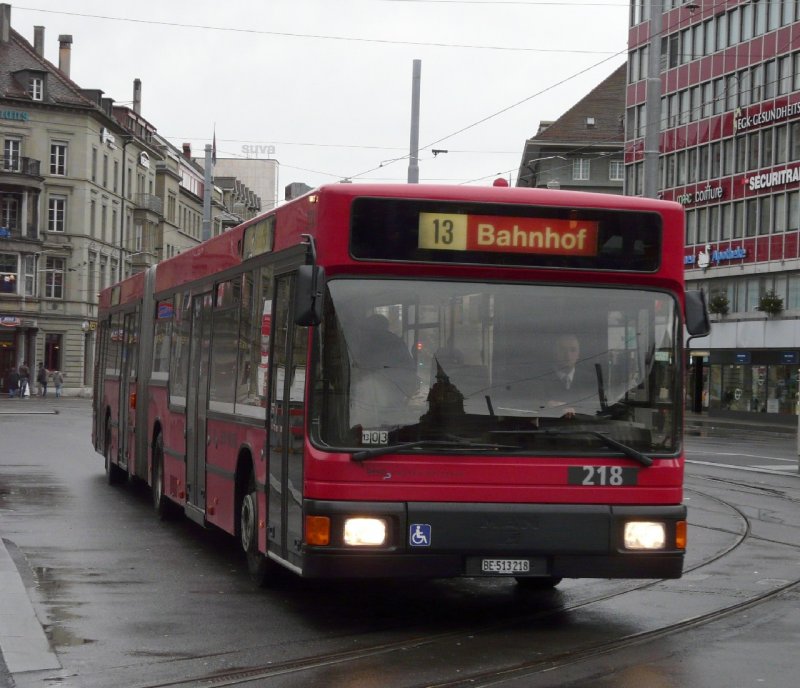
point(506, 566)
point(603, 476)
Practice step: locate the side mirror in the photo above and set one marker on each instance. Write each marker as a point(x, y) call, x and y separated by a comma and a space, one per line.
point(309, 287)
point(698, 324)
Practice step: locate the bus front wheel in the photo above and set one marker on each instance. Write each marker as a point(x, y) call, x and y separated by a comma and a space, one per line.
point(258, 565)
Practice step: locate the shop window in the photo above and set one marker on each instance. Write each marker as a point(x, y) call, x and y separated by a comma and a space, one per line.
point(736, 388)
point(782, 388)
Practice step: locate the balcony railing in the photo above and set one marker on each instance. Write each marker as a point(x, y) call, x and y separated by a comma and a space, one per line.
point(17, 164)
point(148, 202)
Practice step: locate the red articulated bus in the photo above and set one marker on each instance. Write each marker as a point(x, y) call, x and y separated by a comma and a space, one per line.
point(413, 380)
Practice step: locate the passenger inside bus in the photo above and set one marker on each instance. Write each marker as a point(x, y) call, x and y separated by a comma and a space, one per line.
point(384, 372)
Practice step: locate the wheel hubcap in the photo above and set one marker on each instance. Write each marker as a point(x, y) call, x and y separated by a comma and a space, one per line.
point(248, 522)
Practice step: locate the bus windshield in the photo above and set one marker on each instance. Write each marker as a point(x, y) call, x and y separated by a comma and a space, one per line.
point(518, 368)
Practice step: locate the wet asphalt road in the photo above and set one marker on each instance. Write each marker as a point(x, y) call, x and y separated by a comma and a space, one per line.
point(127, 600)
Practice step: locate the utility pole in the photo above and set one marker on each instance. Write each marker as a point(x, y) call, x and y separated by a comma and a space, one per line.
point(207, 190)
point(413, 155)
point(652, 132)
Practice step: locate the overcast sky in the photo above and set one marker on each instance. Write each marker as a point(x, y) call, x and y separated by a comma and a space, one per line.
point(328, 82)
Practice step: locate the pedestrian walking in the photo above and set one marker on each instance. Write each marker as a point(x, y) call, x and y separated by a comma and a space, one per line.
point(24, 380)
point(58, 381)
point(41, 380)
point(13, 383)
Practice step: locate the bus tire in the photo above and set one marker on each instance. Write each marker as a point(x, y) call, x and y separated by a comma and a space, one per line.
point(259, 566)
point(543, 583)
point(114, 474)
point(163, 506)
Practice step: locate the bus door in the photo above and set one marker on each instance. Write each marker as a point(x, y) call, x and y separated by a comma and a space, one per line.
point(127, 386)
point(286, 426)
point(197, 406)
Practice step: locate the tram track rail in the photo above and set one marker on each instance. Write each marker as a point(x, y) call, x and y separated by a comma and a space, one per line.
point(304, 669)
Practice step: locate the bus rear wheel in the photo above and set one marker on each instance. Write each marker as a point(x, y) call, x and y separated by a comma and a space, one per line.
point(163, 506)
point(114, 474)
point(259, 566)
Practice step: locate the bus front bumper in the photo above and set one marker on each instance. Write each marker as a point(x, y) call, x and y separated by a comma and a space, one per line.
point(442, 540)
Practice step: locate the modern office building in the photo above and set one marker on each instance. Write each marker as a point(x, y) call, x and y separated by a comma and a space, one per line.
point(583, 149)
point(728, 144)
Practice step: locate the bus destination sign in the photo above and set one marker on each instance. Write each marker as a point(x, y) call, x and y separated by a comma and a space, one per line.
point(531, 235)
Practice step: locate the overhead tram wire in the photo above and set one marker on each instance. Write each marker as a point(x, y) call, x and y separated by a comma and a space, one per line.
point(287, 34)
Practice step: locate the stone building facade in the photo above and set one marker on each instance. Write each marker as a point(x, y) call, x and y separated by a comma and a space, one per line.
point(89, 193)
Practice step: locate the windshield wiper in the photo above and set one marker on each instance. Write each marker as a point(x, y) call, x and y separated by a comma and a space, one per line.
point(630, 452)
point(365, 454)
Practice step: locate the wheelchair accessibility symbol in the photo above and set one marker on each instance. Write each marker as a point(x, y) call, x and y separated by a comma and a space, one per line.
point(419, 535)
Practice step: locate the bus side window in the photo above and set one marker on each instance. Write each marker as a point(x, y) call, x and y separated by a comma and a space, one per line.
point(254, 340)
point(179, 364)
point(224, 329)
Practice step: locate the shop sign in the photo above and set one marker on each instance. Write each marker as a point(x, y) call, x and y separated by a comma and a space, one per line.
point(14, 115)
point(743, 122)
point(10, 321)
point(144, 159)
point(743, 357)
point(777, 178)
point(790, 357)
point(709, 193)
point(706, 257)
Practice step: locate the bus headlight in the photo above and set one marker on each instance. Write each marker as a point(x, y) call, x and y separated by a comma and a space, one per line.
point(364, 532)
point(645, 535)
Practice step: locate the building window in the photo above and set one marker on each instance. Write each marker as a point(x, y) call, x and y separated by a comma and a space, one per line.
point(766, 147)
point(764, 214)
point(94, 164)
point(58, 159)
point(751, 221)
point(105, 171)
point(9, 213)
point(754, 153)
point(615, 170)
point(29, 274)
point(91, 278)
point(54, 278)
point(8, 273)
point(56, 213)
point(779, 213)
point(738, 219)
point(11, 152)
point(580, 169)
point(36, 88)
point(726, 223)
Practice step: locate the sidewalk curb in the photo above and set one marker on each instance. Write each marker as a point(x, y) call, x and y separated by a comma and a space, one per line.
point(23, 642)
